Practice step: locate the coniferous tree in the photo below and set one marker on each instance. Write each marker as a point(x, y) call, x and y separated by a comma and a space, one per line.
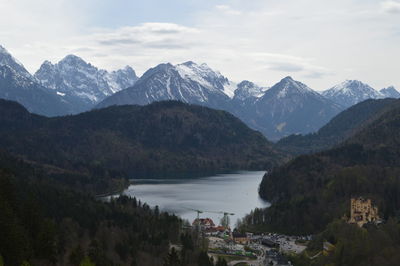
point(172, 258)
point(204, 260)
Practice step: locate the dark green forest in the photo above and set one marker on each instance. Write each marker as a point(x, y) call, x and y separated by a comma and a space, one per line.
point(51, 168)
point(311, 195)
point(313, 190)
point(47, 221)
point(371, 245)
point(341, 127)
point(160, 139)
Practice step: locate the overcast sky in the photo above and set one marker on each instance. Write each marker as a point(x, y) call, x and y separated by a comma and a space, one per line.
point(319, 42)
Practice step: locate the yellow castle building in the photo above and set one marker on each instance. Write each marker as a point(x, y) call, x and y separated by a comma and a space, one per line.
point(362, 211)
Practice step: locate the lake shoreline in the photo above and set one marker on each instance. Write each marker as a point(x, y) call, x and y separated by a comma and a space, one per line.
point(235, 192)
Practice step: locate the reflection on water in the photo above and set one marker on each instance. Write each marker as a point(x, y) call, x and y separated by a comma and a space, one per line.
point(236, 193)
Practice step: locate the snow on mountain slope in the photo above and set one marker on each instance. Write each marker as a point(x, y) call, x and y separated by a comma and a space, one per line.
point(186, 82)
point(291, 107)
point(247, 89)
point(206, 77)
point(74, 77)
point(17, 84)
point(22, 88)
point(6, 59)
point(390, 92)
point(351, 92)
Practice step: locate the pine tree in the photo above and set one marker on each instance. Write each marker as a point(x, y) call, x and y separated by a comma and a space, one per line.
point(204, 260)
point(172, 259)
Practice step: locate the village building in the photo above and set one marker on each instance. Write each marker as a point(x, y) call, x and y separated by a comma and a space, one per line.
point(269, 243)
point(240, 238)
point(205, 223)
point(362, 212)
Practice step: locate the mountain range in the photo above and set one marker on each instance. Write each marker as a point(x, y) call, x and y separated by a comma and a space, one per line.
point(87, 85)
point(276, 112)
point(72, 86)
point(351, 92)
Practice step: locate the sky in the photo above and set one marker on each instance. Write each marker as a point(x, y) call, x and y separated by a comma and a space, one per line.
point(318, 42)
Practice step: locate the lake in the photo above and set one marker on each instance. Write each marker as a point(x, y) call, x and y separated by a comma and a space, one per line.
point(236, 193)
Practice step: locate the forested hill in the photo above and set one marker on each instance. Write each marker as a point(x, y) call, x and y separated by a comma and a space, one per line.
point(158, 139)
point(341, 127)
point(310, 191)
point(44, 221)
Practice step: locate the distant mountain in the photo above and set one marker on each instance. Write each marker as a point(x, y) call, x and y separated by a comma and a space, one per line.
point(290, 107)
point(390, 92)
point(340, 128)
point(187, 82)
point(248, 90)
point(6, 59)
point(83, 83)
point(351, 92)
point(157, 139)
point(18, 85)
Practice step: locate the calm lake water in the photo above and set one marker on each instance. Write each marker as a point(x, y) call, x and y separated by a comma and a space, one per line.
point(236, 193)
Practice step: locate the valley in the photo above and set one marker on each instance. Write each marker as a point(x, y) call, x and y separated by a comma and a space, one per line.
point(202, 170)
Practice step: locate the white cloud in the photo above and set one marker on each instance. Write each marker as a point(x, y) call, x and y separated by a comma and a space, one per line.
point(391, 6)
point(228, 10)
point(318, 42)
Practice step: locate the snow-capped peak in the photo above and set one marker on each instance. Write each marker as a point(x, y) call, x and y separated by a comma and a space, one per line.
point(8, 60)
point(247, 89)
point(351, 87)
point(390, 92)
point(351, 92)
point(72, 59)
point(3, 50)
point(289, 85)
point(72, 76)
point(206, 77)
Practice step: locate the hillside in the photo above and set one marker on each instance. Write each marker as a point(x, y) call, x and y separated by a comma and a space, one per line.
point(313, 190)
point(340, 128)
point(47, 222)
point(163, 138)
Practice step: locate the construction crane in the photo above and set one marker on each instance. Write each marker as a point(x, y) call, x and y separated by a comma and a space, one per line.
point(198, 217)
point(225, 219)
point(225, 222)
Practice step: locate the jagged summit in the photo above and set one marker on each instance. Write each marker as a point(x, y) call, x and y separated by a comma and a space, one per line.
point(351, 92)
point(2, 49)
point(292, 107)
point(289, 86)
point(7, 59)
point(206, 77)
point(74, 77)
point(390, 92)
point(248, 90)
point(73, 59)
point(187, 82)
